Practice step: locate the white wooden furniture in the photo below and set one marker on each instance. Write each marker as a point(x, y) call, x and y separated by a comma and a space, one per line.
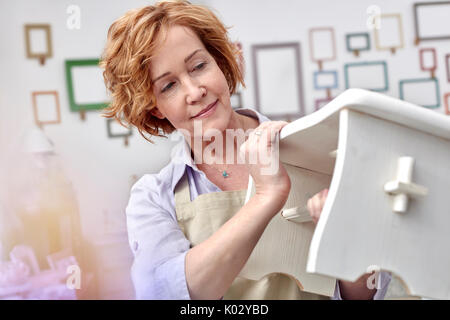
point(388, 206)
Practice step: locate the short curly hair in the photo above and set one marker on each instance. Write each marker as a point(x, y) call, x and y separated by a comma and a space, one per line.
point(132, 41)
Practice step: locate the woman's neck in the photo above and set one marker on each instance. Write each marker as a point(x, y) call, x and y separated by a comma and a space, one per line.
point(224, 148)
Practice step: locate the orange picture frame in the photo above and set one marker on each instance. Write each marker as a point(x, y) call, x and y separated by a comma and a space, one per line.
point(38, 121)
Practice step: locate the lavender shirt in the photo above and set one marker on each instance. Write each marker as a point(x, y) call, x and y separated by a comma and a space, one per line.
point(158, 244)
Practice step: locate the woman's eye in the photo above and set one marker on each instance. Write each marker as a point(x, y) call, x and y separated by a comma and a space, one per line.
point(168, 86)
point(200, 66)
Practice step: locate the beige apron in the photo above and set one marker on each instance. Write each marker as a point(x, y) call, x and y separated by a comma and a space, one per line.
point(199, 219)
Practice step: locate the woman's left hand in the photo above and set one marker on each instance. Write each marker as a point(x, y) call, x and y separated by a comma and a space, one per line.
point(315, 205)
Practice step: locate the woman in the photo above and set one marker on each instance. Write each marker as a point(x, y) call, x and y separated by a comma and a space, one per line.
point(172, 67)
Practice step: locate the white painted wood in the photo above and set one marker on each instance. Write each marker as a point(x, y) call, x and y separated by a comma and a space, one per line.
point(377, 105)
point(357, 228)
point(402, 188)
point(283, 247)
point(297, 214)
point(409, 188)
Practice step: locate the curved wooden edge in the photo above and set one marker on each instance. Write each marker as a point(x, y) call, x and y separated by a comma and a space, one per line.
point(380, 106)
point(332, 191)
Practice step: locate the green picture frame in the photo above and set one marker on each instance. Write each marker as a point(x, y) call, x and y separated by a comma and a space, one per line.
point(74, 106)
point(402, 83)
point(111, 134)
point(383, 64)
point(348, 42)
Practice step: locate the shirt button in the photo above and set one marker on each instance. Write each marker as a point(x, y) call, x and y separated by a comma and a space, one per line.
point(135, 245)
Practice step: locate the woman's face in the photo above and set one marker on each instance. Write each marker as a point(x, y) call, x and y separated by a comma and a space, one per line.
point(187, 81)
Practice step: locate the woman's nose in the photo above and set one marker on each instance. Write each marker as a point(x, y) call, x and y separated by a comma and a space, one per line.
point(194, 92)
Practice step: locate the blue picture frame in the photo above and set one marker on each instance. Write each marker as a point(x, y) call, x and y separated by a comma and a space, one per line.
point(317, 74)
point(435, 80)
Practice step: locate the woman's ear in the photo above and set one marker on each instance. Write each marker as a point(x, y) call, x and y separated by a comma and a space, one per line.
point(155, 112)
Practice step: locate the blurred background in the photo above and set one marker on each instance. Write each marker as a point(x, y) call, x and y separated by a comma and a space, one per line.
point(66, 172)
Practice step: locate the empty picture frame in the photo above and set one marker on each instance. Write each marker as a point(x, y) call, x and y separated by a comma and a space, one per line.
point(46, 108)
point(85, 86)
point(423, 92)
point(319, 103)
point(322, 45)
point(38, 42)
point(116, 130)
point(447, 103)
point(390, 34)
point(447, 66)
point(325, 80)
point(278, 80)
point(372, 75)
point(236, 100)
point(357, 42)
point(428, 60)
point(431, 21)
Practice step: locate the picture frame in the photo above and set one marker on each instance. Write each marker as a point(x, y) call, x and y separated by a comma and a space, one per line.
point(447, 65)
point(30, 51)
point(57, 112)
point(382, 38)
point(112, 125)
point(431, 21)
point(422, 59)
point(327, 37)
point(319, 103)
point(447, 103)
point(276, 68)
point(92, 90)
point(357, 49)
point(405, 96)
point(382, 65)
point(324, 75)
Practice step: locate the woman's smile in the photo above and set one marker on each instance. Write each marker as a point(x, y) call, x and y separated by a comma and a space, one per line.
point(205, 113)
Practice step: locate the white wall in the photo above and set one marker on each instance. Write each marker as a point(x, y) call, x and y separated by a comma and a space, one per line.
point(100, 168)
point(265, 21)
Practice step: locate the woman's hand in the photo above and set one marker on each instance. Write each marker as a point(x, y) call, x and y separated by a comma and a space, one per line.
point(316, 203)
point(261, 156)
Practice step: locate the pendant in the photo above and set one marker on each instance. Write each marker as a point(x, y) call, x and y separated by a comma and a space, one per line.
point(225, 174)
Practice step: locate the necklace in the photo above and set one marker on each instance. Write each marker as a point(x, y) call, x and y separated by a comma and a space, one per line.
point(224, 173)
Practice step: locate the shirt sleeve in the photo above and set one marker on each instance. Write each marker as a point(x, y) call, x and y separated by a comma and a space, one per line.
point(384, 278)
point(158, 244)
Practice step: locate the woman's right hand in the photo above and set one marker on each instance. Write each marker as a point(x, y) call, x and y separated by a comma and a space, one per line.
point(261, 155)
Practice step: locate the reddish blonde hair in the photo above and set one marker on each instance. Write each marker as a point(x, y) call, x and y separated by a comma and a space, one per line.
point(132, 41)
